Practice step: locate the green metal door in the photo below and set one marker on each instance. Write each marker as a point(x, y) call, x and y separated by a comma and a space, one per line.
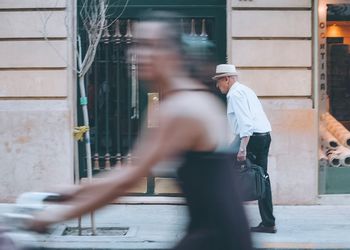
point(116, 101)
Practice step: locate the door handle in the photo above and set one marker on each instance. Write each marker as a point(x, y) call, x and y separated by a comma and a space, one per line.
point(152, 110)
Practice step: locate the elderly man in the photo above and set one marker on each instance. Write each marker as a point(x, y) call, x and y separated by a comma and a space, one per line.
point(251, 128)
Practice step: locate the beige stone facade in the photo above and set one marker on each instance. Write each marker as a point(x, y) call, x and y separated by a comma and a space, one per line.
point(270, 42)
point(36, 95)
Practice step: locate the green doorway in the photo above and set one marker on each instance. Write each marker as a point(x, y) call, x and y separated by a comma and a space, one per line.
point(116, 101)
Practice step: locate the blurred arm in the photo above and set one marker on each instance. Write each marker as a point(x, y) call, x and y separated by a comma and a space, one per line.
point(173, 137)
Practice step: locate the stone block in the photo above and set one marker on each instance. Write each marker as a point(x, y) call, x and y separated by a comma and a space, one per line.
point(34, 83)
point(295, 153)
point(32, 4)
point(285, 103)
point(36, 148)
point(272, 3)
point(271, 53)
point(33, 24)
point(267, 23)
point(279, 82)
point(33, 54)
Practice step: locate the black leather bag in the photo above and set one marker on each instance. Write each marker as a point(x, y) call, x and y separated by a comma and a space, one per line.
point(251, 180)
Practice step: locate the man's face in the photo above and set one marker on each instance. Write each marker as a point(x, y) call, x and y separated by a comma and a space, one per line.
point(223, 83)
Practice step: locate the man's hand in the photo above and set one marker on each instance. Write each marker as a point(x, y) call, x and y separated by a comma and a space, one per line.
point(242, 154)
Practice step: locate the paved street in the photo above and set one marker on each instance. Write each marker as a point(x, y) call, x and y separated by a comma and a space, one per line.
point(160, 226)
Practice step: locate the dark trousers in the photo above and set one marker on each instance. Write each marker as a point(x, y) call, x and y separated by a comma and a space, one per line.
point(259, 146)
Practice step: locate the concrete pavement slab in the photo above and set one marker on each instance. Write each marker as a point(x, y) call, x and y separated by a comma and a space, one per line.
point(161, 226)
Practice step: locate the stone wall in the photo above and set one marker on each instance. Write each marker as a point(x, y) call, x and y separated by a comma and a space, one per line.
point(270, 41)
point(36, 95)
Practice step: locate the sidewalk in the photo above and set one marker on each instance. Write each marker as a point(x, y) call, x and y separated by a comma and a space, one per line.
point(160, 226)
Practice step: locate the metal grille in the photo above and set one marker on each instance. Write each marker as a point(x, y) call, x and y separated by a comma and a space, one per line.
point(114, 93)
point(112, 86)
point(117, 102)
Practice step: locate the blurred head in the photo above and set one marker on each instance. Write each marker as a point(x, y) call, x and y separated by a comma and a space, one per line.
point(164, 51)
point(157, 48)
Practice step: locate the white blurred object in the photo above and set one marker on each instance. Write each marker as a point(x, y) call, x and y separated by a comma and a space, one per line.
point(14, 235)
point(32, 201)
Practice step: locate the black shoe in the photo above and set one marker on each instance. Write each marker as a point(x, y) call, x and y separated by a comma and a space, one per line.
point(263, 229)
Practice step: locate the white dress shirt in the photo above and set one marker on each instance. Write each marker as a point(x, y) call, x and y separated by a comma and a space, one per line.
point(244, 112)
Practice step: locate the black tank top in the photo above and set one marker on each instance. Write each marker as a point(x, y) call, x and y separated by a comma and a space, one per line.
point(217, 218)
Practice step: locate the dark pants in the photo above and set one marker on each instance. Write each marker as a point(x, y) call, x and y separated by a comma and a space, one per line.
point(259, 146)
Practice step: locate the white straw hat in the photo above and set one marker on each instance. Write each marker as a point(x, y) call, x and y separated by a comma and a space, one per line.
point(225, 70)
